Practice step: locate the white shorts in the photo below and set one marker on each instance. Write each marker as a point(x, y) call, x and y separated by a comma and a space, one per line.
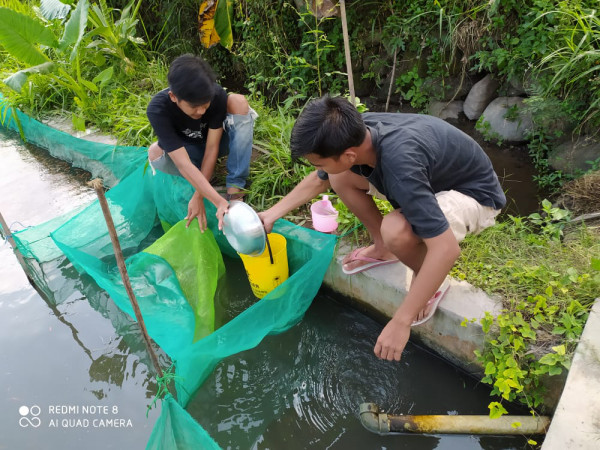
point(463, 213)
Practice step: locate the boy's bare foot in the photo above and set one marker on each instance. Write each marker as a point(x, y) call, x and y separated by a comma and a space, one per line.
point(234, 194)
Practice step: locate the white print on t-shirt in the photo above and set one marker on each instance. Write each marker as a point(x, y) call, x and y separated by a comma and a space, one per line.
point(195, 134)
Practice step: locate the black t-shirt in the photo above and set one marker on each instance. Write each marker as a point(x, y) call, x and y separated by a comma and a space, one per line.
point(174, 128)
point(419, 156)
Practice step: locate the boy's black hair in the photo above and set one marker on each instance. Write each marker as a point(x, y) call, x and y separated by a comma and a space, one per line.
point(192, 79)
point(327, 127)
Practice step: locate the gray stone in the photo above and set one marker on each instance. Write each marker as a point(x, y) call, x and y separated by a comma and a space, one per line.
point(515, 87)
point(572, 156)
point(480, 96)
point(446, 110)
point(514, 129)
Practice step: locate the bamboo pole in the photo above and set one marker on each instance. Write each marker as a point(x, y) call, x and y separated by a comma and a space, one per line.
point(99, 188)
point(387, 102)
point(347, 51)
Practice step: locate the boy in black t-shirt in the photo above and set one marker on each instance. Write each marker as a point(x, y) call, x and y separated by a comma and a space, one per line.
point(438, 179)
point(196, 122)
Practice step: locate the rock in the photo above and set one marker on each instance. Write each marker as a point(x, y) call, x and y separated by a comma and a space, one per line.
point(445, 110)
point(515, 87)
point(572, 156)
point(506, 118)
point(480, 96)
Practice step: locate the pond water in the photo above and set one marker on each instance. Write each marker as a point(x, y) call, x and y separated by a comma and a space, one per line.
point(79, 365)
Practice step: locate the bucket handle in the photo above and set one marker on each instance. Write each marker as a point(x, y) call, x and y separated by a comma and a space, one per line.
point(269, 247)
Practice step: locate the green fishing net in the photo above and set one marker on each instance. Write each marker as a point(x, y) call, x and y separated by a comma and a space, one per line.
point(174, 275)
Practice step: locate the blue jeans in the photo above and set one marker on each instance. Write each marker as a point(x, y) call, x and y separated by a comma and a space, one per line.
point(236, 144)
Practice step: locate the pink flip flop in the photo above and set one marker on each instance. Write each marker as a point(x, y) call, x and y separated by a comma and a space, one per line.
point(370, 262)
point(434, 302)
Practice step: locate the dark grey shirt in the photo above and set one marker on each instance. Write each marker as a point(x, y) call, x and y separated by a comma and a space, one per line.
point(419, 156)
point(175, 129)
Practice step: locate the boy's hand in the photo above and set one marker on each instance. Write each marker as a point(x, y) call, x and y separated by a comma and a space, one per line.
point(222, 208)
point(392, 340)
point(267, 220)
point(196, 209)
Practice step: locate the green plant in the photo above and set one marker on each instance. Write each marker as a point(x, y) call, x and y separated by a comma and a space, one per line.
point(548, 286)
point(71, 72)
point(575, 58)
point(489, 135)
point(409, 85)
point(552, 221)
point(113, 36)
point(512, 113)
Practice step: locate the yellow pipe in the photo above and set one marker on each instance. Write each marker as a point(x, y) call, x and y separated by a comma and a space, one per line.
point(382, 423)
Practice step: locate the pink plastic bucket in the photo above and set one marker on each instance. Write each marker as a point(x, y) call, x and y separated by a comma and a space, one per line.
point(324, 216)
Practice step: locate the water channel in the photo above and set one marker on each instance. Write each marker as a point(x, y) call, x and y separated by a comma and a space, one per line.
point(75, 356)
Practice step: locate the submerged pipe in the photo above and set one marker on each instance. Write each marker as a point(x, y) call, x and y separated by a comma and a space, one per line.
point(381, 423)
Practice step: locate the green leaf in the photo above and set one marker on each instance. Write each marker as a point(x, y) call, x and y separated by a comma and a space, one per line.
point(20, 36)
point(496, 410)
point(549, 359)
point(555, 370)
point(596, 263)
point(54, 9)
point(559, 349)
point(223, 16)
point(490, 368)
point(78, 122)
point(104, 77)
point(18, 79)
point(88, 84)
point(75, 28)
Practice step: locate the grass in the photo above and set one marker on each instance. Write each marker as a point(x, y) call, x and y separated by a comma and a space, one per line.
point(547, 285)
point(511, 260)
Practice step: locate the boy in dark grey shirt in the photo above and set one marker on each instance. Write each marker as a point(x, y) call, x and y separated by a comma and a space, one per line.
point(438, 179)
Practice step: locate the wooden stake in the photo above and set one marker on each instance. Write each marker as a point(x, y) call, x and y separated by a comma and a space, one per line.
point(387, 102)
point(99, 188)
point(347, 51)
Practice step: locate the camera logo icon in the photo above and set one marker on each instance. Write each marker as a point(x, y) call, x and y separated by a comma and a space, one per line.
point(29, 416)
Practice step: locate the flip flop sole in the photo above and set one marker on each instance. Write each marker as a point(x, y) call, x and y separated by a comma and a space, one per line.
point(439, 296)
point(367, 266)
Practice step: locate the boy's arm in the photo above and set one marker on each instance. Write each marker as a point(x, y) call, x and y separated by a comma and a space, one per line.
point(442, 253)
point(211, 152)
point(307, 189)
point(197, 179)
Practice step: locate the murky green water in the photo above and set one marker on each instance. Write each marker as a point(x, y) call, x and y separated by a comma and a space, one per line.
point(78, 364)
point(74, 360)
point(302, 389)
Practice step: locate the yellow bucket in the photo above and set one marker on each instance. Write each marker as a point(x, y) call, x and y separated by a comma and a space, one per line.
point(264, 276)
